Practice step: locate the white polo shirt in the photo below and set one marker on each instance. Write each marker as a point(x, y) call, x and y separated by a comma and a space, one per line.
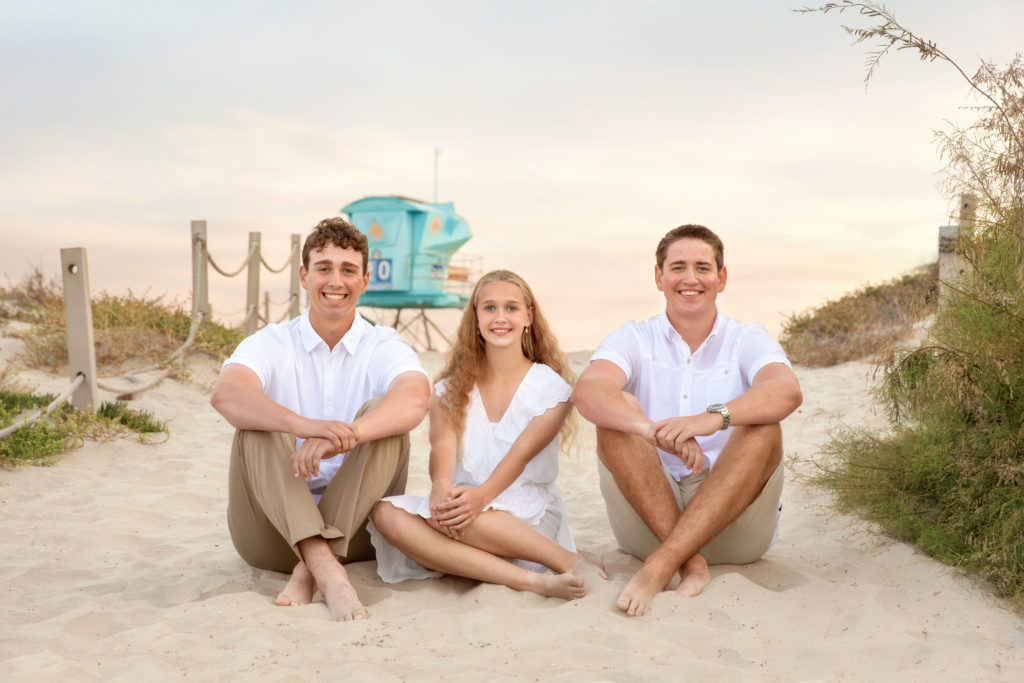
point(669, 381)
point(298, 371)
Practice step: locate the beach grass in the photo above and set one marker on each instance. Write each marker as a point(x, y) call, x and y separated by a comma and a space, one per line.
point(864, 323)
point(128, 329)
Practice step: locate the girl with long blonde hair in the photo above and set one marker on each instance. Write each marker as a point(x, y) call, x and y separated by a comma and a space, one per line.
point(497, 416)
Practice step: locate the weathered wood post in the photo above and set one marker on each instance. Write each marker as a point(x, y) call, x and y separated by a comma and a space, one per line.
point(252, 297)
point(952, 264)
point(78, 326)
point(200, 286)
point(295, 288)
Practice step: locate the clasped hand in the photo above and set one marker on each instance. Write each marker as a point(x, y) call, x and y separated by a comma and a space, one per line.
point(323, 439)
point(453, 509)
point(677, 435)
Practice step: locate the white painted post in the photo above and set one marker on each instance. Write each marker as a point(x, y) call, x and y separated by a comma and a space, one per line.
point(952, 264)
point(200, 286)
point(252, 297)
point(295, 288)
point(78, 326)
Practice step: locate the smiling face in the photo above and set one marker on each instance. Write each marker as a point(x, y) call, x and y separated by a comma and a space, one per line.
point(690, 280)
point(335, 280)
point(502, 314)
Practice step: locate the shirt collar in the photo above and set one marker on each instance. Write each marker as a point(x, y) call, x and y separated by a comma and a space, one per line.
point(355, 334)
point(719, 321)
point(671, 334)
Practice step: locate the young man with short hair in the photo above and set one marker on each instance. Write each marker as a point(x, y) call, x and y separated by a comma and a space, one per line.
point(687, 406)
point(322, 405)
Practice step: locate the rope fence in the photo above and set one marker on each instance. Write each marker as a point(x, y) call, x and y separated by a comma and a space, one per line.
point(254, 319)
point(84, 384)
point(213, 264)
point(83, 388)
point(52, 406)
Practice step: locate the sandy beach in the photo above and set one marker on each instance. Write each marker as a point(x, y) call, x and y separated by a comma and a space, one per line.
point(117, 565)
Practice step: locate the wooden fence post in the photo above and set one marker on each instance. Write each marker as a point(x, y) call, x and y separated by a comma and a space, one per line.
point(78, 325)
point(295, 288)
point(200, 287)
point(952, 264)
point(252, 297)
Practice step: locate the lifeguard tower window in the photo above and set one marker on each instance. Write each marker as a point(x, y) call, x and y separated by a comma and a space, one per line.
point(411, 248)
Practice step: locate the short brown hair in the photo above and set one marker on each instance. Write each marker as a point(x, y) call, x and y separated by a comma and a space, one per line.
point(338, 232)
point(693, 232)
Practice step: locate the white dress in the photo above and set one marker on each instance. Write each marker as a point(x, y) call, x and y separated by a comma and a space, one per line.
point(533, 497)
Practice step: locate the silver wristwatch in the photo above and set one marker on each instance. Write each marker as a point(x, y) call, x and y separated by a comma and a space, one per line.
point(723, 410)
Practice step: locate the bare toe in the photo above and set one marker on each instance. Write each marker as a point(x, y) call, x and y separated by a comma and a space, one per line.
point(299, 589)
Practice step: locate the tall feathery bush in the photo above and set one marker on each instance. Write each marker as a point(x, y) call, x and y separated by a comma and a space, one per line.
point(949, 474)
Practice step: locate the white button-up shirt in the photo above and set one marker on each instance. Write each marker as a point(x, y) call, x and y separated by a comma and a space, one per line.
point(298, 371)
point(670, 381)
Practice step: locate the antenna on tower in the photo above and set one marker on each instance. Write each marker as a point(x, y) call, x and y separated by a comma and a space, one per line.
point(437, 153)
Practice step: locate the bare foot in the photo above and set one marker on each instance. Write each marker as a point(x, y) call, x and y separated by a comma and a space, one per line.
point(299, 589)
point(342, 601)
point(637, 596)
point(584, 565)
point(567, 586)
point(693, 576)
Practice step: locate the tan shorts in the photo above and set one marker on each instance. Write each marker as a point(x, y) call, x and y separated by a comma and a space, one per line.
point(745, 540)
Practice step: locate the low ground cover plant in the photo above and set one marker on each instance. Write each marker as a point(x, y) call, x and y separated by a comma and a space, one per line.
point(43, 441)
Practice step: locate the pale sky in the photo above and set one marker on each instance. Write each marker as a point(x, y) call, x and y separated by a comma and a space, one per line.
point(573, 135)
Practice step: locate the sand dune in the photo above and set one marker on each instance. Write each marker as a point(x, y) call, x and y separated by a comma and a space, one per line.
point(117, 565)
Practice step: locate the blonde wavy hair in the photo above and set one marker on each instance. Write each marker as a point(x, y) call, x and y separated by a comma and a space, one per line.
point(466, 357)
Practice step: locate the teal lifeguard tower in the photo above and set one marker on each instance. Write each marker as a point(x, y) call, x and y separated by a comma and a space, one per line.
point(411, 247)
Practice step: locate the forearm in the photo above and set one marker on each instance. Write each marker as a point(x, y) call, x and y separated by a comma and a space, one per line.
point(245, 408)
point(398, 411)
point(607, 407)
point(539, 433)
point(442, 464)
point(503, 476)
point(767, 402)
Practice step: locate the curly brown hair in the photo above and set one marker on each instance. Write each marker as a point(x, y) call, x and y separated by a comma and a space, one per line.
point(338, 232)
point(466, 357)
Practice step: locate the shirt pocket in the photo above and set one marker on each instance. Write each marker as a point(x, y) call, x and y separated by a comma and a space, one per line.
point(724, 382)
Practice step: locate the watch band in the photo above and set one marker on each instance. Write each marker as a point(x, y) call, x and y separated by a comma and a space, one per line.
point(723, 410)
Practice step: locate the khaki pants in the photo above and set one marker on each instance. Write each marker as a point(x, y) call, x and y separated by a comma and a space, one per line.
point(270, 509)
point(745, 540)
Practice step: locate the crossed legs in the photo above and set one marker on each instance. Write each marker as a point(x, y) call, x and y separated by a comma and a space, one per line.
point(745, 465)
point(479, 554)
point(275, 522)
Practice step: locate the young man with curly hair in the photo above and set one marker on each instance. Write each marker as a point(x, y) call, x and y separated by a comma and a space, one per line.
point(322, 406)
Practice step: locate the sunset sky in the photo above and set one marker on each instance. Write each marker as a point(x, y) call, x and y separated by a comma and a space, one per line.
point(573, 134)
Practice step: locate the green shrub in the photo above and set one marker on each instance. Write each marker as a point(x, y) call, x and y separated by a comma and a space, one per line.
point(949, 473)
